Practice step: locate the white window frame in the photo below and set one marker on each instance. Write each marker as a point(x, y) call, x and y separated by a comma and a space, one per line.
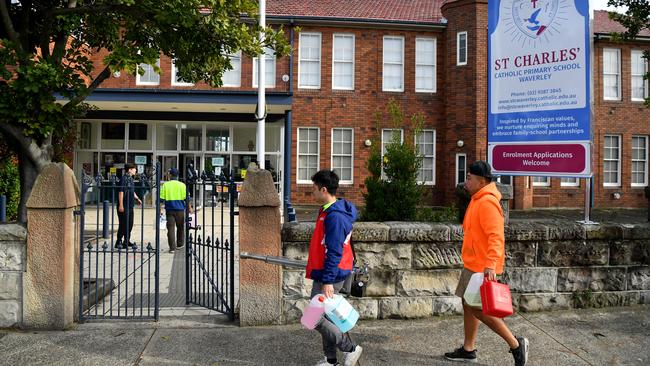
point(351, 155)
point(458, 61)
point(435, 55)
point(426, 182)
point(269, 79)
point(384, 144)
point(633, 54)
point(618, 160)
point(618, 74)
point(236, 55)
point(464, 168)
point(545, 183)
point(383, 63)
point(511, 180)
point(334, 61)
point(298, 154)
point(178, 83)
point(645, 178)
point(569, 183)
point(300, 60)
point(138, 80)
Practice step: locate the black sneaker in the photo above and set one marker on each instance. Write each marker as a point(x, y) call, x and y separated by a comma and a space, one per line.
point(460, 355)
point(520, 354)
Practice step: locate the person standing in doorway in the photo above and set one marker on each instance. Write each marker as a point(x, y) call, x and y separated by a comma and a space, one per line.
point(173, 193)
point(330, 261)
point(483, 251)
point(126, 198)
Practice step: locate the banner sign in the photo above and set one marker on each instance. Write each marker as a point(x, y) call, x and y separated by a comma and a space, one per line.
point(538, 88)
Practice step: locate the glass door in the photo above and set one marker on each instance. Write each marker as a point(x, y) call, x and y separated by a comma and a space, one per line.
point(190, 171)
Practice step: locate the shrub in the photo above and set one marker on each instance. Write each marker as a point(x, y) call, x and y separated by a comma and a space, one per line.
point(396, 195)
point(10, 184)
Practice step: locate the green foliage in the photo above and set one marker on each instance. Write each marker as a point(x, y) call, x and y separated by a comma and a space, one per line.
point(396, 195)
point(47, 67)
point(441, 214)
point(10, 184)
point(635, 19)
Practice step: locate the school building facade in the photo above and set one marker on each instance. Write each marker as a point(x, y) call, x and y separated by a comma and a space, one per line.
point(349, 59)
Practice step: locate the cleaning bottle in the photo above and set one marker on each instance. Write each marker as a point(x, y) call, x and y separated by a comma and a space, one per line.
point(313, 312)
point(341, 313)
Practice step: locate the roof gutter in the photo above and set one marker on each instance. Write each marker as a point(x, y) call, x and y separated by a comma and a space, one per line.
point(608, 36)
point(354, 22)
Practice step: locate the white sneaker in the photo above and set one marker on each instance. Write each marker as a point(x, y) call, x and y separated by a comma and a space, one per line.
point(351, 358)
point(324, 362)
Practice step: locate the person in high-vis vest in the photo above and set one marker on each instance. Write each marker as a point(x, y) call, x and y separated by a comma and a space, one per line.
point(173, 193)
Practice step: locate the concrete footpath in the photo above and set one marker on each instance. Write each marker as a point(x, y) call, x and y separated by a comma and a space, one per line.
point(613, 336)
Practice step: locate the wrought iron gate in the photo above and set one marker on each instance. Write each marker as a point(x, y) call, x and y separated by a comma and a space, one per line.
point(118, 276)
point(210, 250)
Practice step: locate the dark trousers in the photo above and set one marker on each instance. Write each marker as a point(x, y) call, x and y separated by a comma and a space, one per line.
point(332, 336)
point(124, 229)
point(175, 222)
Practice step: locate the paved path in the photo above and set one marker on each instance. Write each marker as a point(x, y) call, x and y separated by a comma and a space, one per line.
point(614, 336)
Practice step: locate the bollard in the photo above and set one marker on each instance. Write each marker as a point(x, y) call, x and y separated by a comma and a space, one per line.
point(647, 195)
point(105, 233)
point(3, 209)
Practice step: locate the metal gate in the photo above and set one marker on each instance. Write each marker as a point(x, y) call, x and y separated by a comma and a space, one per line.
point(118, 276)
point(210, 250)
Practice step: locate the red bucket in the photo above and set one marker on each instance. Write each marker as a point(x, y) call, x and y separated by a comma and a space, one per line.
point(496, 299)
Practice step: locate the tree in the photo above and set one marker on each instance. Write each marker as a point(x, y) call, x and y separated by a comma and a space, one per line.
point(635, 20)
point(396, 195)
point(46, 50)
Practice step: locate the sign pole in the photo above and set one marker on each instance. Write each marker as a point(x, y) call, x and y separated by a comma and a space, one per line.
point(261, 96)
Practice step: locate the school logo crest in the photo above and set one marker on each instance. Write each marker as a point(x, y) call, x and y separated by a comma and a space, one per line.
point(534, 17)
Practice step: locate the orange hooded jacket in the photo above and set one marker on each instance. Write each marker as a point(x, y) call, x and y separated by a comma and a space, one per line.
point(484, 242)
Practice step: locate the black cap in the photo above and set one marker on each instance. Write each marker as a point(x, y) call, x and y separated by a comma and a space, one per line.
point(481, 169)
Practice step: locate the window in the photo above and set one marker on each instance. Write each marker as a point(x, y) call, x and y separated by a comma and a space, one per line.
point(541, 182)
point(612, 161)
point(309, 61)
point(611, 74)
point(505, 179)
point(232, 78)
point(639, 161)
point(569, 182)
point(342, 151)
point(269, 64)
point(393, 71)
point(425, 144)
point(177, 80)
point(425, 65)
point(461, 168)
point(639, 68)
point(308, 152)
point(150, 77)
point(461, 48)
point(343, 62)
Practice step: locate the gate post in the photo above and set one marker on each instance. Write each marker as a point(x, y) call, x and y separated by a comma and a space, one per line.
point(260, 284)
point(51, 270)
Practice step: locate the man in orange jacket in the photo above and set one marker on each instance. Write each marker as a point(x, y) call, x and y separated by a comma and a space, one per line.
point(483, 252)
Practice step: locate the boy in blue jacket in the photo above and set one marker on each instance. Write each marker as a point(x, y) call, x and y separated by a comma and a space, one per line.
point(330, 261)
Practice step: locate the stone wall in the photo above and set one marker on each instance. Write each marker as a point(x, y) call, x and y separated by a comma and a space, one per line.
point(13, 240)
point(552, 265)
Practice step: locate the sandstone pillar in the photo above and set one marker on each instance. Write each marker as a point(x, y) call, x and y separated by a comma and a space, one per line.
point(260, 284)
point(51, 271)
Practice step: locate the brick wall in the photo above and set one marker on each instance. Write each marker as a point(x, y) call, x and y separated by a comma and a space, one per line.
point(326, 108)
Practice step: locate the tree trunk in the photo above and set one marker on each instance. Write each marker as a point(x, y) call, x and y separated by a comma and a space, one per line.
point(28, 174)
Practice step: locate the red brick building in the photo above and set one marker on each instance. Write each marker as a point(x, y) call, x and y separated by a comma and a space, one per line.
point(349, 59)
